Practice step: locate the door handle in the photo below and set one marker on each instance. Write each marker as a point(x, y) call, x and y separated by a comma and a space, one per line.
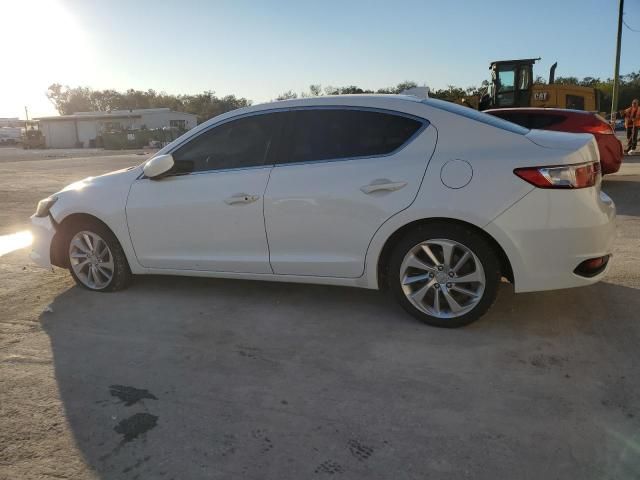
point(241, 198)
point(383, 184)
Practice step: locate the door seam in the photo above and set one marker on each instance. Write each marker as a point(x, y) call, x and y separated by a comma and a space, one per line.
point(264, 219)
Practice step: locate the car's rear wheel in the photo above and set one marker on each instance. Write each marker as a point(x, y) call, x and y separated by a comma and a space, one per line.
point(446, 275)
point(96, 259)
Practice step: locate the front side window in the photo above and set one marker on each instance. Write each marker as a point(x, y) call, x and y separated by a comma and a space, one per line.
point(327, 134)
point(235, 144)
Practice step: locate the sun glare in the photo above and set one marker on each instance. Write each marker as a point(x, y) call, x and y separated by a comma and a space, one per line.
point(47, 45)
point(15, 241)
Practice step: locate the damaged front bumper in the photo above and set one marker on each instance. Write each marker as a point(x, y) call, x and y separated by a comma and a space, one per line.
point(43, 231)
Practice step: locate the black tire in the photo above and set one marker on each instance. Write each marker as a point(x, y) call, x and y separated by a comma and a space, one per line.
point(121, 274)
point(468, 238)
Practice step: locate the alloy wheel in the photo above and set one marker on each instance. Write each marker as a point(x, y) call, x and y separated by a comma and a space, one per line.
point(91, 260)
point(442, 278)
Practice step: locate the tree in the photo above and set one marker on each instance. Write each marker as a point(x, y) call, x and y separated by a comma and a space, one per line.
point(69, 100)
point(206, 104)
point(567, 81)
point(315, 90)
point(401, 87)
point(450, 94)
point(80, 99)
point(288, 95)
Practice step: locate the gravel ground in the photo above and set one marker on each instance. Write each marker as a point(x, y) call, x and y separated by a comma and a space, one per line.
point(199, 378)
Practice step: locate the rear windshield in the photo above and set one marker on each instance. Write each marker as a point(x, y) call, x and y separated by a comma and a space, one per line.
point(475, 115)
point(536, 119)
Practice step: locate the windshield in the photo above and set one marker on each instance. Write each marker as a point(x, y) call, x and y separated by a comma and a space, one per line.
point(475, 115)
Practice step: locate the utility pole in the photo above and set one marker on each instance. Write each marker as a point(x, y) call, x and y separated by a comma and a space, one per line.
point(616, 73)
point(26, 113)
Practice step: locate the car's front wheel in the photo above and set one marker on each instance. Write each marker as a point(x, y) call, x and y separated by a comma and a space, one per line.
point(96, 259)
point(446, 275)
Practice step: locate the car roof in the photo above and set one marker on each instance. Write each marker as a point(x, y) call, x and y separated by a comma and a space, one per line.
point(335, 100)
point(383, 101)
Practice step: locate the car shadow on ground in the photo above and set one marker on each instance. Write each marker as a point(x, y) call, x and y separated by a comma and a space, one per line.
point(200, 378)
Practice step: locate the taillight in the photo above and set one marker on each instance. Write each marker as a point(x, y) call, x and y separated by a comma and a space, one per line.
point(581, 175)
point(597, 124)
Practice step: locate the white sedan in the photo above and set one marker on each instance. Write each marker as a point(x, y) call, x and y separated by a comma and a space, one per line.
point(433, 201)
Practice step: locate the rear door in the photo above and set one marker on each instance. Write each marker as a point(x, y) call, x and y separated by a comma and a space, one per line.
point(342, 173)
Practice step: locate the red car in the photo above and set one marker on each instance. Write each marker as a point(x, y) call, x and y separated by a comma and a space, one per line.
point(574, 121)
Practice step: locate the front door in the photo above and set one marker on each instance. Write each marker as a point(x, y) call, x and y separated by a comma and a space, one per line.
point(208, 214)
point(346, 171)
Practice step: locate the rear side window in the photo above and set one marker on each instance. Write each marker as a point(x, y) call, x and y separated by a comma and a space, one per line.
point(324, 134)
point(238, 143)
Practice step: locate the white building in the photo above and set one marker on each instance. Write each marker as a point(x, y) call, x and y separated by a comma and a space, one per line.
point(11, 122)
point(82, 128)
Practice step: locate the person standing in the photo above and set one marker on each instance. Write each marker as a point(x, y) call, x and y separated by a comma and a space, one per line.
point(632, 123)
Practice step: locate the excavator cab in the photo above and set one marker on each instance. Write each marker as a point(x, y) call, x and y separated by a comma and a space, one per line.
point(510, 85)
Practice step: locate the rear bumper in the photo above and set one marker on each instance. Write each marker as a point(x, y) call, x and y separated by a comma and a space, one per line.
point(43, 230)
point(548, 233)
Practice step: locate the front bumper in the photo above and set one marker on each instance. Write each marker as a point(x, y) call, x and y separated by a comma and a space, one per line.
point(548, 233)
point(43, 230)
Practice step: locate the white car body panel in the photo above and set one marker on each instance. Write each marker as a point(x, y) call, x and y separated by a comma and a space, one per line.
point(184, 223)
point(549, 232)
point(544, 233)
point(319, 221)
point(105, 198)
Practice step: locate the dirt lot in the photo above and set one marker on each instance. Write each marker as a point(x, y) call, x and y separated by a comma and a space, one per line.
point(194, 378)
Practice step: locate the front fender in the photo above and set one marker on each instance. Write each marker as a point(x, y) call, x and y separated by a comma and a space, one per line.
point(107, 204)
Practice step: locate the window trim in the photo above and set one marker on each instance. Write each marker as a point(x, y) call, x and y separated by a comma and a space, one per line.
point(277, 141)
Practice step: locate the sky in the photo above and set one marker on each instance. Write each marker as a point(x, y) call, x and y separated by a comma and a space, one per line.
point(258, 49)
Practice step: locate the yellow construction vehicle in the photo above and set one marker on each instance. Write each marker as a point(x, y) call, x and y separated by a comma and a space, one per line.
point(512, 86)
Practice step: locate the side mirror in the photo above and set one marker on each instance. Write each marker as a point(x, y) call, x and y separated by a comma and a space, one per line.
point(158, 166)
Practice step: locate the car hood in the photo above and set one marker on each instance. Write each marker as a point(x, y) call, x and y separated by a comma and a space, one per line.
point(125, 175)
